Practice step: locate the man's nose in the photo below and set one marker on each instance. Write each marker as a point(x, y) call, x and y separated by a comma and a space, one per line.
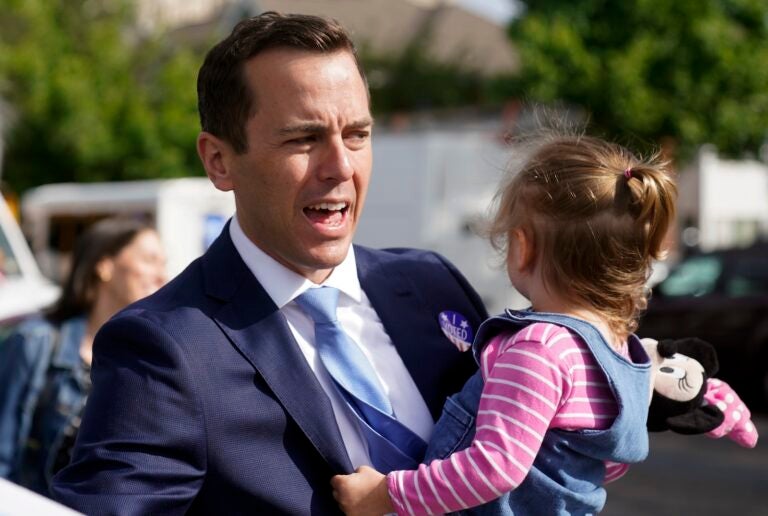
point(336, 163)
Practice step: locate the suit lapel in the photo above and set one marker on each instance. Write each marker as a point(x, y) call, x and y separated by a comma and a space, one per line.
point(407, 320)
point(259, 330)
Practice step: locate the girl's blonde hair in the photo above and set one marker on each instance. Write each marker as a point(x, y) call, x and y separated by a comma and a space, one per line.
point(597, 216)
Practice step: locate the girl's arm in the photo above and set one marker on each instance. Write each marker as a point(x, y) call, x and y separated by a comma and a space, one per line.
point(614, 471)
point(522, 392)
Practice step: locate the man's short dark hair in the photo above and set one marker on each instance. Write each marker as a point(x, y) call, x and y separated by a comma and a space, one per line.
point(224, 99)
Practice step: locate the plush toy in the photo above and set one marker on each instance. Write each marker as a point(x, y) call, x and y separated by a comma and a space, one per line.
point(737, 425)
point(680, 372)
point(686, 400)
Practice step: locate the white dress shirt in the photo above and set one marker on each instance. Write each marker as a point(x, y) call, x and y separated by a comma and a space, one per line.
point(362, 325)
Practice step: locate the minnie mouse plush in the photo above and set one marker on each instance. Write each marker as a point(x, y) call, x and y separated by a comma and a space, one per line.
point(687, 400)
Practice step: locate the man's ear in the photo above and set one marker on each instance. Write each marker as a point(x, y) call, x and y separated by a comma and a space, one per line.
point(213, 152)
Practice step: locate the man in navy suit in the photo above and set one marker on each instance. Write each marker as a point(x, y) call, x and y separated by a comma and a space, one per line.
point(209, 397)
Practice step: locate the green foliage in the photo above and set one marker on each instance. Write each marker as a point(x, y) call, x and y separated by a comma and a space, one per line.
point(412, 80)
point(92, 98)
point(684, 72)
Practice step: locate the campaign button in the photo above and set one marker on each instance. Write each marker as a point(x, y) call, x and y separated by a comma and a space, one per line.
point(456, 327)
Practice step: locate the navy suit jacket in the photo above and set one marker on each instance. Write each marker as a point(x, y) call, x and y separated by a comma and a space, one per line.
point(203, 403)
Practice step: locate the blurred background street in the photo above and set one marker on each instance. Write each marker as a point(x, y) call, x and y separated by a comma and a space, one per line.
point(695, 475)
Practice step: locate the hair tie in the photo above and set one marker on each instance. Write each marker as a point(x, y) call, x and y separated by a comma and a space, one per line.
point(628, 173)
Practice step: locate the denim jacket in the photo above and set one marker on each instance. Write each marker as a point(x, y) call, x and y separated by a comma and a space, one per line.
point(43, 387)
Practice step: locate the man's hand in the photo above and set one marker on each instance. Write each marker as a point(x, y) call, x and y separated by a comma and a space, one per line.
point(363, 493)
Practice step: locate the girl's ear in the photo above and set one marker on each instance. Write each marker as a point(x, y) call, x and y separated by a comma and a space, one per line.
point(524, 249)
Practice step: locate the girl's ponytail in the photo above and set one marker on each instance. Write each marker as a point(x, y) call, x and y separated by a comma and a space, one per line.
point(652, 201)
point(597, 216)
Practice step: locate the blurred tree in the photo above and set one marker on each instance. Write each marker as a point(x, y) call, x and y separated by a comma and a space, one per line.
point(92, 98)
point(412, 80)
point(678, 73)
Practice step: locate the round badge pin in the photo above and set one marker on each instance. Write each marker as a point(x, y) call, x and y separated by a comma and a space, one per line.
point(456, 327)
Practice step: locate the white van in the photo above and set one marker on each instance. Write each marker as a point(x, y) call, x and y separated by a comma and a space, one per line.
point(23, 289)
point(187, 212)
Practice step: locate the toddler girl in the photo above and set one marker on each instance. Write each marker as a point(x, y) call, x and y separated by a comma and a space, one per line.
point(559, 404)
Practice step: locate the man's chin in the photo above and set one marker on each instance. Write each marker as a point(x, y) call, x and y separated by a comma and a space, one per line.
point(327, 261)
point(321, 261)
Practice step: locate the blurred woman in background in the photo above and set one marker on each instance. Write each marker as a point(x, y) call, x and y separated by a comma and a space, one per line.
point(45, 364)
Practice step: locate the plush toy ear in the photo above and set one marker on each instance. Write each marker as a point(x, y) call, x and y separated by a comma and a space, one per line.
point(698, 421)
point(695, 348)
point(667, 347)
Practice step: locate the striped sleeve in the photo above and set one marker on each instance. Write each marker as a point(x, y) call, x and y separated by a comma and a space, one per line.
point(614, 471)
point(524, 386)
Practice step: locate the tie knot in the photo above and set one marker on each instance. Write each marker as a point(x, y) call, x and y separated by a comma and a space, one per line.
point(320, 304)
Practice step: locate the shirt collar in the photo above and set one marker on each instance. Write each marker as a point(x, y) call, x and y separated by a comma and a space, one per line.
point(284, 285)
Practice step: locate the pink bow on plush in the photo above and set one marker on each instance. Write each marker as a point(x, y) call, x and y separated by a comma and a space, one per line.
point(737, 424)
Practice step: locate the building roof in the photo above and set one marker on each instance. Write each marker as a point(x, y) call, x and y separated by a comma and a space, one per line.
point(381, 26)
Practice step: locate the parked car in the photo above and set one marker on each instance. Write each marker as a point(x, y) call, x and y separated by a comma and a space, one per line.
point(56, 214)
point(23, 289)
point(721, 297)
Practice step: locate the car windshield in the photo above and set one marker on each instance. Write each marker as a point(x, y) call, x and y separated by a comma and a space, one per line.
point(748, 277)
point(695, 276)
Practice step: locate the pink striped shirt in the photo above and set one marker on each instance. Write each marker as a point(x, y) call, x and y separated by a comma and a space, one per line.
point(539, 378)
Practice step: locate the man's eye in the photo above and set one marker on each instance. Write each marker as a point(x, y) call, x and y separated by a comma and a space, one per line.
point(357, 138)
point(303, 140)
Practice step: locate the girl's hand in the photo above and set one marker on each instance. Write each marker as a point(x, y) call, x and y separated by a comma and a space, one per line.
point(363, 493)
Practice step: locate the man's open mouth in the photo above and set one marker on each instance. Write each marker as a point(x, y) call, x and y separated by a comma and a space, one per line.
point(327, 213)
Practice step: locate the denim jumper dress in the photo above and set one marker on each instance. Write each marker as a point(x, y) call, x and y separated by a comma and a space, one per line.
point(567, 475)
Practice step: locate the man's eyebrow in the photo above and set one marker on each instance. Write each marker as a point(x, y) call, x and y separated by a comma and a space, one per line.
point(303, 127)
point(361, 124)
point(315, 127)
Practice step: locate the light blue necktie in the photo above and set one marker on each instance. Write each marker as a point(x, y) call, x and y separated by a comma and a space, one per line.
point(391, 445)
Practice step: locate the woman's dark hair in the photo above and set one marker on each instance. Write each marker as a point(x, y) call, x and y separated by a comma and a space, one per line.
point(104, 239)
